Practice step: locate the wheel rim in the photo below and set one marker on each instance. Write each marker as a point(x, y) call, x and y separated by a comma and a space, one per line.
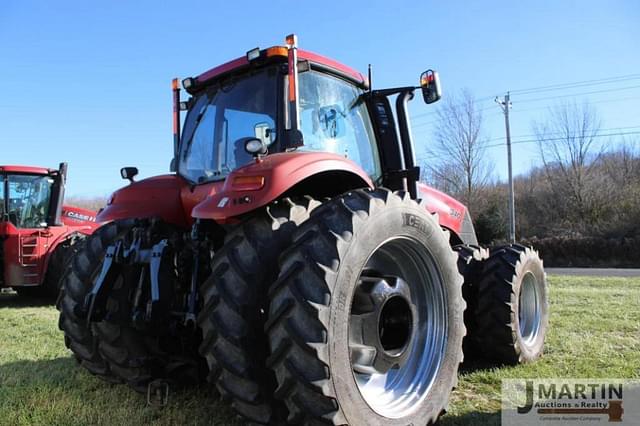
point(529, 309)
point(398, 327)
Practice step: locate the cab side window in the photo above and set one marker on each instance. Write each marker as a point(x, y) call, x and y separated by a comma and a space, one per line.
point(28, 200)
point(333, 119)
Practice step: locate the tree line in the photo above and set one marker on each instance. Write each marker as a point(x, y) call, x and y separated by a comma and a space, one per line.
point(580, 206)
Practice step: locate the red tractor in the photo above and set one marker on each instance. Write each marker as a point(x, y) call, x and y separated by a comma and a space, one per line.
point(294, 259)
point(37, 233)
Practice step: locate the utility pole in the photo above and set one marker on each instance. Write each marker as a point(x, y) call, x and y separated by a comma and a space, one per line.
point(505, 104)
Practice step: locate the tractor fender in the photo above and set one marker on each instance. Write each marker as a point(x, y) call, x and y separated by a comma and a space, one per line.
point(288, 173)
point(158, 196)
point(452, 214)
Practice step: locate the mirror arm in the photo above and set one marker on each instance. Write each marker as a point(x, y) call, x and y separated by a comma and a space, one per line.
point(393, 90)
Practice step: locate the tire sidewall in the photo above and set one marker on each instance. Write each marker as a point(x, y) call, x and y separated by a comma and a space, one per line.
point(409, 220)
point(531, 265)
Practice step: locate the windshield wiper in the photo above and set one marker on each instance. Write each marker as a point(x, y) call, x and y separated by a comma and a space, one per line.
point(213, 94)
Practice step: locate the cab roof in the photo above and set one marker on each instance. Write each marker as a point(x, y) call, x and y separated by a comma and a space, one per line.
point(281, 52)
point(26, 170)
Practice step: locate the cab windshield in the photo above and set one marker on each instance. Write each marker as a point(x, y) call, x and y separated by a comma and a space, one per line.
point(28, 200)
point(221, 119)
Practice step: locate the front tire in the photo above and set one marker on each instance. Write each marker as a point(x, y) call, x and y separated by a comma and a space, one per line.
point(76, 283)
point(368, 289)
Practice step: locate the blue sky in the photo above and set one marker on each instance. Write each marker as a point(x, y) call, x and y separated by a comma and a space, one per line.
point(89, 82)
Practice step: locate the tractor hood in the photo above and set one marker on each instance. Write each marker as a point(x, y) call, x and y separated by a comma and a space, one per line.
point(265, 180)
point(158, 196)
point(452, 214)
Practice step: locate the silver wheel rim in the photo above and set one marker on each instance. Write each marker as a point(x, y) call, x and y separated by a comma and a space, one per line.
point(399, 391)
point(529, 309)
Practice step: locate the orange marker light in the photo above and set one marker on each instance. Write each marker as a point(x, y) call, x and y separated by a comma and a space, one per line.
point(276, 51)
point(174, 84)
point(248, 183)
point(292, 40)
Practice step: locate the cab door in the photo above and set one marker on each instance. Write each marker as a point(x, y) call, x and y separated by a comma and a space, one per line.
point(26, 230)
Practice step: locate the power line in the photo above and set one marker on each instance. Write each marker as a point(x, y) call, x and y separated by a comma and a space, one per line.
point(560, 139)
point(559, 133)
point(616, 89)
point(543, 140)
point(601, 101)
point(560, 86)
point(583, 83)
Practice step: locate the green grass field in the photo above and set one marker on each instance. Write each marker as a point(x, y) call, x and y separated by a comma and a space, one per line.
point(594, 332)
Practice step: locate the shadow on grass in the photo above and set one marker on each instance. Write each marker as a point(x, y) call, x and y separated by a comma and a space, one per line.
point(13, 300)
point(59, 391)
point(467, 419)
point(472, 364)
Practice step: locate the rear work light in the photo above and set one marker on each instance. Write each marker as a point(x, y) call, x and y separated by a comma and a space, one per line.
point(248, 183)
point(253, 54)
point(188, 83)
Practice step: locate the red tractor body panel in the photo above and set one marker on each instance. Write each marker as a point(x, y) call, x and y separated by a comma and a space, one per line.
point(279, 173)
point(158, 196)
point(26, 170)
point(27, 252)
point(82, 220)
point(451, 212)
point(169, 197)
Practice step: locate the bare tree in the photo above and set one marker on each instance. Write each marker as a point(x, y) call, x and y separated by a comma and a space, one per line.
point(456, 162)
point(566, 143)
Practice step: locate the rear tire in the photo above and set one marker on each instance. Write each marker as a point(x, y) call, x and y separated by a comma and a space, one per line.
point(471, 259)
point(323, 302)
point(235, 306)
point(77, 281)
point(512, 311)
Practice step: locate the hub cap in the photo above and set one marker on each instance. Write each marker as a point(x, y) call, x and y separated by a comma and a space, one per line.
point(529, 309)
point(397, 327)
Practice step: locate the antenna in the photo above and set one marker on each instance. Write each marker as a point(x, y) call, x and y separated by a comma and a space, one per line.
point(369, 77)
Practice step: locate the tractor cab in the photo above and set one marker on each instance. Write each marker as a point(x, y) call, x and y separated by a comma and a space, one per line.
point(30, 209)
point(282, 99)
point(248, 113)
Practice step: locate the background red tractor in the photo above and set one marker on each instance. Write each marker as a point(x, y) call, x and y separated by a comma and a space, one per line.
point(37, 232)
point(295, 259)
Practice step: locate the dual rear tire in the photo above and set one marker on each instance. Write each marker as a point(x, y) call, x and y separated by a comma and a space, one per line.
point(511, 307)
point(348, 308)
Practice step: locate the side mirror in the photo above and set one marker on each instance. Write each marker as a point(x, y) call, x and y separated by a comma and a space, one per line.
point(128, 173)
point(172, 165)
point(430, 84)
point(255, 147)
